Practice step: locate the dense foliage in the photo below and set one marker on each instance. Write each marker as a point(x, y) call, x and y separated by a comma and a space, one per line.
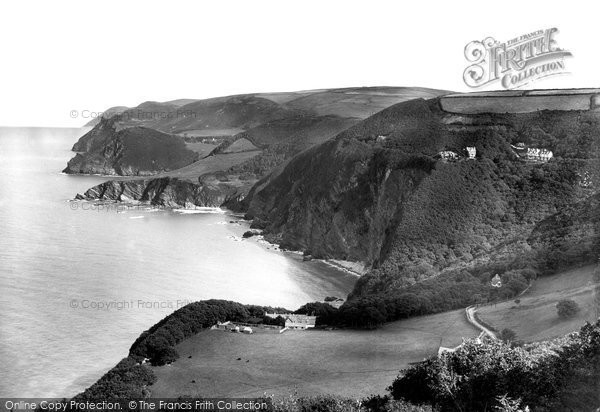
point(548, 376)
point(127, 380)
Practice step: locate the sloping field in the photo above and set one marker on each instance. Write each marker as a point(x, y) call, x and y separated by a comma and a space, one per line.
point(512, 101)
point(203, 149)
point(210, 164)
point(240, 145)
point(360, 102)
point(535, 318)
point(345, 362)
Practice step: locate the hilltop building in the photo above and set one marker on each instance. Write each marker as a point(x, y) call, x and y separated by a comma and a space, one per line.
point(496, 281)
point(532, 153)
point(540, 155)
point(448, 155)
point(472, 151)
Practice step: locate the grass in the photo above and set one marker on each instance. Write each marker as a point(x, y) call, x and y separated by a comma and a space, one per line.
point(535, 318)
point(360, 102)
point(344, 362)
point(209, 164)
point(500, 103)
point(203, 149)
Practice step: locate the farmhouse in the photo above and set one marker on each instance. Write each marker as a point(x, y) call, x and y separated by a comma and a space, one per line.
point(295, 321)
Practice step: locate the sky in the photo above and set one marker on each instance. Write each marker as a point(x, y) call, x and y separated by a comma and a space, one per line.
point(81, 56)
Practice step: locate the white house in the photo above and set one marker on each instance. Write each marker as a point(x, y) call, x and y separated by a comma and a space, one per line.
point(540, 155)
point(496, 281)
point(472, 151)
point(448, 155)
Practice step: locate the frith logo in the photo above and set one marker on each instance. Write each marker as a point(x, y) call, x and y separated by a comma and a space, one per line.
point(516, 62)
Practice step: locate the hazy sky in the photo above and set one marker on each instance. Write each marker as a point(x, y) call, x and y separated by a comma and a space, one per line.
point(59, 56)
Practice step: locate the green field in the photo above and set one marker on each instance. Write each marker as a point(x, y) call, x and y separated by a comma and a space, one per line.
point(208, 164)
point(345, 362)
point(535, 317)
point(203, 149)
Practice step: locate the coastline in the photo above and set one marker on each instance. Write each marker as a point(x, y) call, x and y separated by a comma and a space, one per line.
point(357, 269)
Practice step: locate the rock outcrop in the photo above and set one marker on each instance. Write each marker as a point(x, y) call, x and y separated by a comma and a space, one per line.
point(166, 192)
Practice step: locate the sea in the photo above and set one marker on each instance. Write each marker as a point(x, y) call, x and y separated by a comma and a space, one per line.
point(80, 281)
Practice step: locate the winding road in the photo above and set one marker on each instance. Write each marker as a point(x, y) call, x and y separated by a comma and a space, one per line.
point(473, 320)
point(470, 312)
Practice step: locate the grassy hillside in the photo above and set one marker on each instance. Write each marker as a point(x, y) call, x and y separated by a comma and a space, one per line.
point(254, 133)
point(436, 230)
point(535, 318)
point(359, 102)
point(188, 360)
point(341, 362)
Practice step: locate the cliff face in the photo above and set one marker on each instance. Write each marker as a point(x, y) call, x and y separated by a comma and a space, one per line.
point(136, 151)
point(335, 201)
point(166, 192)
point(379, 192)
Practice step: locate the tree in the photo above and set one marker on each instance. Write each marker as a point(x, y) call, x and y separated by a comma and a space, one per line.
point(567, 308)
point(165, 356)
point(508, 335)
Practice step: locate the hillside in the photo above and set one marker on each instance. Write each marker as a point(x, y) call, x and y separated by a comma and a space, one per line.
point(282, 124)
point(435, 229)
point(182, 357)
point(534, 317)
point(135, 151)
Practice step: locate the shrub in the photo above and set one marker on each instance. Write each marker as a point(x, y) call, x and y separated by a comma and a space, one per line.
point(559, 375)
point(508, 335)
point(567, 308)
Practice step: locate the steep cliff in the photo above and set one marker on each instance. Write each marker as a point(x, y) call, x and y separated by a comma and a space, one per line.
point(165, 192)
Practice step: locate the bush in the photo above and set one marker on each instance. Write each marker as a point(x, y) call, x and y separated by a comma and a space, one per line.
point(127, 380)
point(558, 375)
point(567, 308)
point(508, 335)
point(164, 356)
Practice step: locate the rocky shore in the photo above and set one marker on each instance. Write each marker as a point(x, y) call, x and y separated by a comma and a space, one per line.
point(166, 191)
